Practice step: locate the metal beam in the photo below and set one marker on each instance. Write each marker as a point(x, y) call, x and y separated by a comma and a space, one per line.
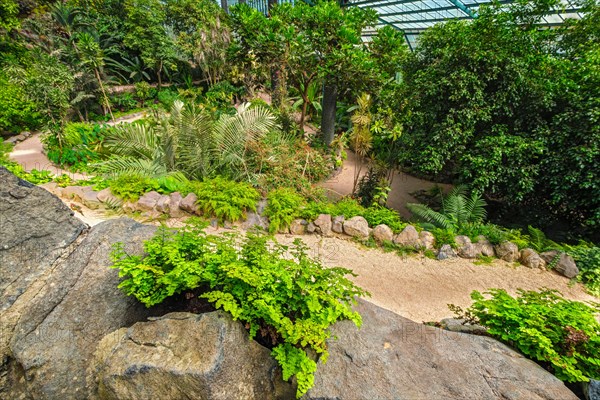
point(464, 8)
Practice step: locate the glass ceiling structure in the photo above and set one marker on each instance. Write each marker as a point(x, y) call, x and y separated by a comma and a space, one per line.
point(414, 16)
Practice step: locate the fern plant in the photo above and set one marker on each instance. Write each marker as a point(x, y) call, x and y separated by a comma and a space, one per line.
point(254, 280)
point(458, 211)
point(283, 206)
point(227, 200)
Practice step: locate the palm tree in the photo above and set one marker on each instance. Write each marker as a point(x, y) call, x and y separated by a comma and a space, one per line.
point(191, 142)
point(458, 210)
point(92, 56)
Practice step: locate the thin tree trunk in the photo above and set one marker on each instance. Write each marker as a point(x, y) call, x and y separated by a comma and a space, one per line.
point(304, 107)
point(329, 108)
point(158, 75)
point(107, 104)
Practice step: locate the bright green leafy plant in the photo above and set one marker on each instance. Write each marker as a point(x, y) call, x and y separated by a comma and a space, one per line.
point(283, 206)
point(559, 333)
point(253, 279)
point(132, 186)
point(225, 199)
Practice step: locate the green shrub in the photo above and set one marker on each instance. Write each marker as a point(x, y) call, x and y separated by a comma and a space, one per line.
point(561, 334)
point(124, 101)
point(376, 215)
point(144, 92)
point(16, 112)
point(130, 187)
point(283, 206)
point(78, 144)
point(444, 236)
point(348, 208)
point(296, 298)
point(167, 97)
point(587, 258)
point(225, 199)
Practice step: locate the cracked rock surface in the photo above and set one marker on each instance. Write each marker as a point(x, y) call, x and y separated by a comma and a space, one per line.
point(391, 357)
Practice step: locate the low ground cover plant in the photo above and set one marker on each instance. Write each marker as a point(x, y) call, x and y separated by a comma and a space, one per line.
point(561, 334)
point(276, 290)
point(227, 200)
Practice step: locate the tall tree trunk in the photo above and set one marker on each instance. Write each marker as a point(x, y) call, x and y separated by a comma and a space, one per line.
point(224, 6)
point(329, 108)
point(304, 107)
point(158, 72)
point(107, 104)
point(276, 87)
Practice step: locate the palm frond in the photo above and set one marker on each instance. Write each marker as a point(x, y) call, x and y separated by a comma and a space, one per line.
point(133, 140)
point(426, 214)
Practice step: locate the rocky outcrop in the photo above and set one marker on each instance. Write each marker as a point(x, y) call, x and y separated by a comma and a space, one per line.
point(59, 298)
point(357, 227)
point(561, 262)
point(391, 357)
point(187, 356)
point(465, 248)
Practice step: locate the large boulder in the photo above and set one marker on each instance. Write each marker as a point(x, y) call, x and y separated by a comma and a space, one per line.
point(69, 311)
point(357, 227)
point(298, 227)
point(427, 240)
point(188, 204)
point(337, 224)
point(561, 262)
point(148, 201)
point(36, 229)
point(187, 356)
point(446, 251)
point(391, 357)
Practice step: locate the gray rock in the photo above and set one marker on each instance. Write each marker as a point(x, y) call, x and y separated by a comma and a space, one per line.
point(427, 240)
point(531, 259)
point(106, 196)
point(311, 228)
point(484, 247)
point(174, 205)
point(129, 207)
point(391, 357)
point(592, 390)
point(75, 192)
point(357, 227)
point(187, 356)
point(68, 311)
point(261, 206)
point(459, 325)
point(188, 204)
point(507, 251)
point(563, 263)
point(162, 205)
point(383, 233)
point(255, 221)
point(323, 222)
point(90, 200)
point(446, 251)
point(36, 229)
point(409, 237)
point(148, 201)
point(298, 227)
point(465, 248)
point(338, 224)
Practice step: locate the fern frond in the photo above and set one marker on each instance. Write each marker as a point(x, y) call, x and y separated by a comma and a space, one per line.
point(426, 214)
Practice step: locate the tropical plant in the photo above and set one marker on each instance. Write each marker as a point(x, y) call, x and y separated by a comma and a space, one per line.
point(293, 299)
point(457, 211)
point(361, 138)
point(283, 206)
point(559, 333)
point(189, 141)
point(227, 200)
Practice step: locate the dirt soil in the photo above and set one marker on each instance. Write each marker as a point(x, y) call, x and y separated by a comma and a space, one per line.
point(402, 185)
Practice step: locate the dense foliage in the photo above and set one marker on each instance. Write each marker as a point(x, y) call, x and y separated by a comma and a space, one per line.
point(293, 299)
point(561, 334)
point(510, 109)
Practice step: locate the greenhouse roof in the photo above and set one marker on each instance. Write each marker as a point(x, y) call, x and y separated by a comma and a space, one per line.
point(414, 16)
